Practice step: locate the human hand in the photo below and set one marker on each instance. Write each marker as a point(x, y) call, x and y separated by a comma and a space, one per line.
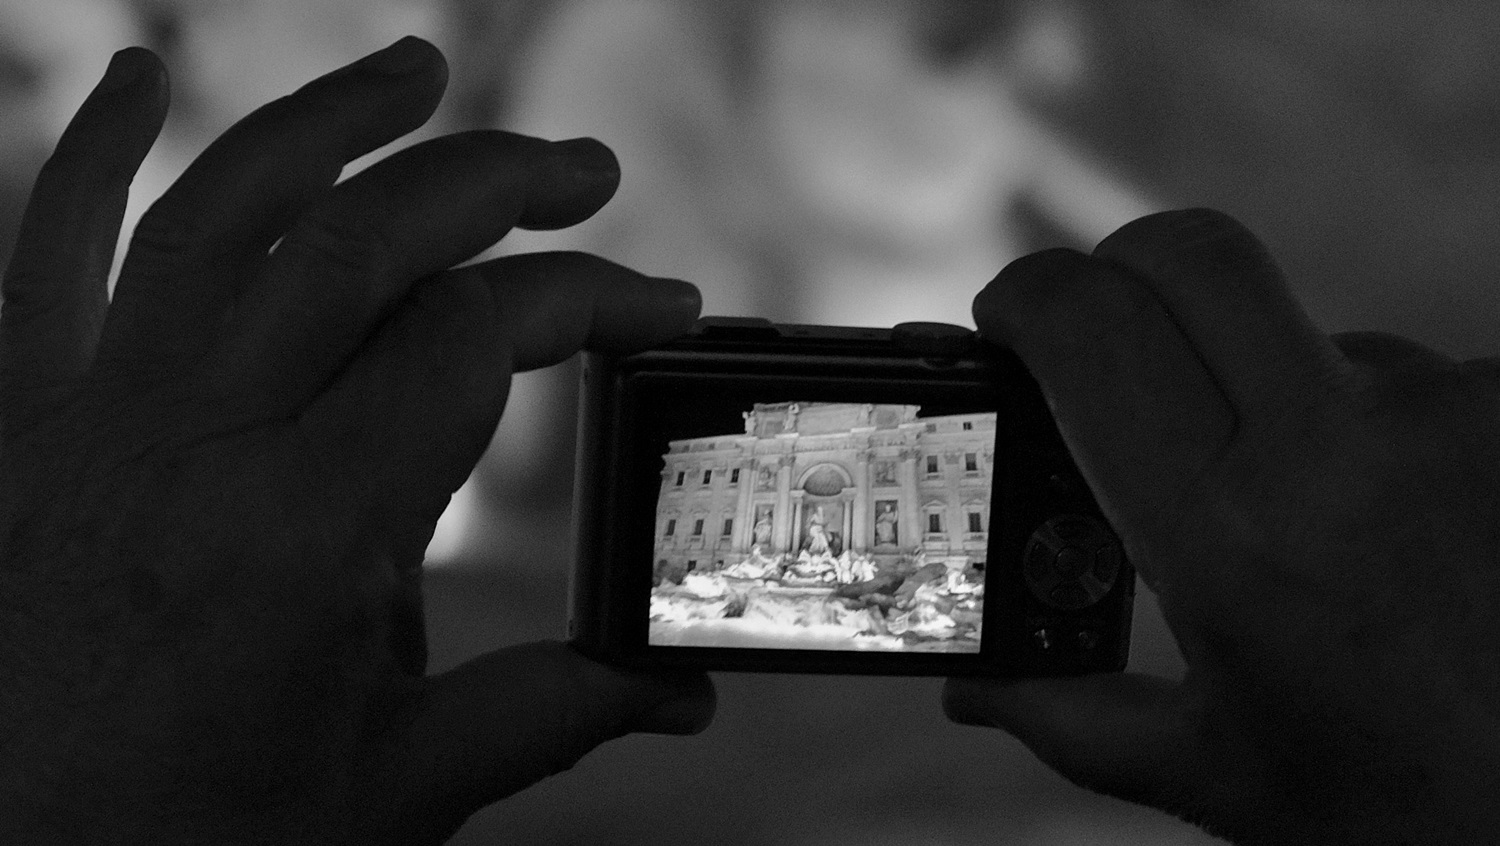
point(1320, 520)
point(216, 490)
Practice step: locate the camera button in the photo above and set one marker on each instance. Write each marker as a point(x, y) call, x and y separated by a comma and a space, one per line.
point(1039, 563)
point(1072, 562)
point(1069, 597)
point(940, 340)
point(737, 328)
point(1042, 639)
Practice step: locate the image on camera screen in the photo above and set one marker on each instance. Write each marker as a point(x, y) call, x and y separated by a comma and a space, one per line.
point(825, 526)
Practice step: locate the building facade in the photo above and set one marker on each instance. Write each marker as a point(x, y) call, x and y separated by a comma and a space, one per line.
point(876, 480)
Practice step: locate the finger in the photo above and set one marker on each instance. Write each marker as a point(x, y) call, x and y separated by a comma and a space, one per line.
point(417, 408)
point(56, 288)
point(1124, 735)
point(195, 246)
point(347, 263)
point(1137, 407)
point(1233, 306)
point(511, 718)
point(556, 304)
point(1385, 351)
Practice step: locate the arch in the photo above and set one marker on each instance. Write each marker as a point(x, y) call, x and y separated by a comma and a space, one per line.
point(825, 479)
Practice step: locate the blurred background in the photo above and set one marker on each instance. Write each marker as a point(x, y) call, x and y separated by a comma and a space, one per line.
point(859, 163)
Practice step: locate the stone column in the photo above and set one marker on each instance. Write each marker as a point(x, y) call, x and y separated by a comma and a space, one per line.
point(794, 530)
point(911, 505)
point(847, 499)
point(744, 508)
point(953, 495)
point(861, 534)
point(781, 520)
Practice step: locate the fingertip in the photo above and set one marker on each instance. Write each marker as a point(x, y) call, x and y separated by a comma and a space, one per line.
point(961, 703)
point(1122, 734)
point(1063, 717)
point(577, 178)
point(681, 297)
point(677, 304)
point(1211, 241)
point(129, 102)
point(980, 702)
point(405, 56)
point(1032, 286)
point(1172, 224)
point(1385, 350)
point(688, 706)
point(649, 312)
point(130, 66)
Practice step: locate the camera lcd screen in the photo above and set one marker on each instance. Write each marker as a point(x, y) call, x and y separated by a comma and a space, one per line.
point(841, 519)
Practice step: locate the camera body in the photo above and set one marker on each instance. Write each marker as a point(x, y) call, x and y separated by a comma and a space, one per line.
point(784, 498)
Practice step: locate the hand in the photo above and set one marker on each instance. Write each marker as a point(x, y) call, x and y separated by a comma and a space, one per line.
point(215, 491)
point(1320, 519)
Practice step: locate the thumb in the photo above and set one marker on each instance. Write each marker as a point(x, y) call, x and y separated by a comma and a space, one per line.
point(508, 719)
point(1125, 735)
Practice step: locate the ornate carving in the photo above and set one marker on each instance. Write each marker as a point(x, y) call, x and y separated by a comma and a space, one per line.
point(765, 478)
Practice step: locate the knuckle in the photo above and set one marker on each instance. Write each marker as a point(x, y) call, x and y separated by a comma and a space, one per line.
point(167, 230)
point(1064, 288)
point(346, 246)
point(1038, 282)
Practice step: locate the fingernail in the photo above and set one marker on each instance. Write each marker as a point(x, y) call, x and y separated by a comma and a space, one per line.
point(405, 56)
point(125, 68)
point(964, 703)
point(676, 717)
point(682, 296)
point(964, 717)
point(961, 712)
point(591, 158)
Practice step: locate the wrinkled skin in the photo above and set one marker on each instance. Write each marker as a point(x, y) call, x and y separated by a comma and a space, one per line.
point(1320, 520)
point(216, 490)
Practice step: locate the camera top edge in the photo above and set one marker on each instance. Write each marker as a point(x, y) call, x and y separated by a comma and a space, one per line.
point(935, 343)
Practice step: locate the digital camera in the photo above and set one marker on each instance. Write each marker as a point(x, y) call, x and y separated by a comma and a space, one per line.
point(783, 498)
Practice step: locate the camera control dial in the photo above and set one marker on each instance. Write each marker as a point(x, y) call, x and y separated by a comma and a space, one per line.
point(1072, 561)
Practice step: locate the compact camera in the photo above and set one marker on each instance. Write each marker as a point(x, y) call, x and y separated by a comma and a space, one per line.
point(765, 497)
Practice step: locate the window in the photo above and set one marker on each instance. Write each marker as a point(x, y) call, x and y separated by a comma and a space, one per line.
point(734, 476)
point(932, 465)
point(680, 477)
point(971, 462)
point(975, 525)
point(968, 425)
point(671, 528)
point(934, 523)
point(708, 476)
point(728, 526)
point(697, 527)
point(931, 428)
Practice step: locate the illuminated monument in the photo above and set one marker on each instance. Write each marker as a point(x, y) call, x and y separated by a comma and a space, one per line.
point(876, 481)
